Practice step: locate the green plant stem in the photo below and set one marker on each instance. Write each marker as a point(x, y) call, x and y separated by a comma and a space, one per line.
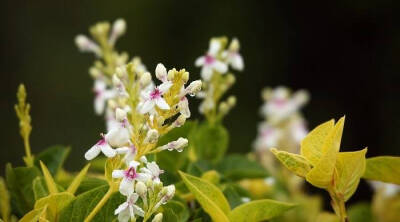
point(100, 204)
point(29, 158)
point(338, 205)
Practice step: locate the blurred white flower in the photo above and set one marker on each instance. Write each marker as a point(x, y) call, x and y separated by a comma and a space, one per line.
point(210, 63)
point(127, 210)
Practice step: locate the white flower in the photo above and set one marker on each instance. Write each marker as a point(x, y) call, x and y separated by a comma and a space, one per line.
point(232, 55)
point(151, 172)
point(161, 72)
point(119, 136)
point(118, 29)
point(111, 121)
point(298, 130)
point(128, 177)
point(267, 137)
point(154, 97)
point(101, 146)
point(102, 95)
point(127, 210)
point(210, 63)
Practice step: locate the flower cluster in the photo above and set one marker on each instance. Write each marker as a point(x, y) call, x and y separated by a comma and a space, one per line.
point(217, 77)
point(138, 113)
point(283, 125)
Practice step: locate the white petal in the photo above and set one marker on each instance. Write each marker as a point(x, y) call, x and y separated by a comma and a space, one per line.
point(144, 177)
point(118, 137)
point(99, 85)
point(137, 210)
point(124, 216)
point(215, 45)
point(184, 107)
point(134, 164)
point(153, 167)
point(107, 150)
point(220, 66)
point(206, 73)
point(237, 62)
point(164, 87)
point(99, 104)
point(92, 152)
point(122, 150)
point(126, 187)
point(200, 61)
point(147, 106)
point(133, 198)
point(118, 173)
point(161, 103)
point(121, 207)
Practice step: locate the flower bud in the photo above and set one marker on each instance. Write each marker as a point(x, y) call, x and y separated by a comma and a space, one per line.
point(180, 121)
point(116, 81)
point(141, 188)
point(143, 159)
point(82, 42)
point(119, 72)
point(152, 136)
point(223, 107)
point(170, 191)
point(230, 79)
point(235, 45)
point(185, 77)
point(161, 72)
point(145, 79)
point(231, 101)
point(149, 183)
point(120, 114)
point(194, 87)
point(112, 104)
point(158, 218)
point(94, 72)
point(171, 74)
point(119, 27)
point(178, 144)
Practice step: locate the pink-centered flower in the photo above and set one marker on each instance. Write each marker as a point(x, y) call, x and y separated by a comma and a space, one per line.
point(151, 172)
point(101, 146)
point(127, 210)
point(233, 56)
point(153, 97)
point(210, 63)
point(128, 176)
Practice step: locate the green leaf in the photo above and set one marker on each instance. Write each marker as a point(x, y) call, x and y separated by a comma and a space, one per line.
point(383, 168)
point(39, 188)
point(5, 208)
point(174, 161)
point(311, 145)
point(90, 183)
point(209, 196)
point(322, 173)
point(237, 167)
point(175, 211)
point(259, 210)
point(293, 162)
point(53, 157)
point(34, 215)
point(78, 179)
point(210, 141)
point(19, 182)
point(51, 184)
point(55, 203)
point(235, 195)
point(84, 203)
point(360, 212)
point(350, 166)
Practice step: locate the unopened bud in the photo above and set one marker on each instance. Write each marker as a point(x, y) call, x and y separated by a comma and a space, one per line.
point(112, 104)
point(223, 107)
point(194, 87)
point(171, 74)
point(149, 183)
point(94, 72)
point(143, 159)
point(161, 72)
point(231, 101)
point(86, 45)
point(185, 77)
point(141, 188)
point(145, 79)
point(235, 45)
point(120, 114)
point(180, 120)
point(158, 218)
point(152, 136)
point(119, 71)
point(116, 81)
point(119, 27)
point(178, 144)
point(170, 191)
point(230, 79)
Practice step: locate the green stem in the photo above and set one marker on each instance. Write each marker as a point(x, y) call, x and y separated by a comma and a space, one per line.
point(29, 158)
point(100, 204)
point(338, 205)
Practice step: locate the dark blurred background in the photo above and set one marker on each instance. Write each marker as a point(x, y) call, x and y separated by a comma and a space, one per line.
point(346, 53)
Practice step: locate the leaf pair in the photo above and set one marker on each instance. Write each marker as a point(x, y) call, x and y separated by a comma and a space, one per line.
point(322, 164)
point(216, 205)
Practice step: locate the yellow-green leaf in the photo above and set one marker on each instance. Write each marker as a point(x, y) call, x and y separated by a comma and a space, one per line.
point(51, 185)
point(55, 203)
point(350, 166)
point(311, 145)
point(322, 173)
point(35, 215)
point(383, 168)
point(78, 179)
point(209, 196)
point(111, 164)
point(258, 210)
point(294, 162)
point(4, 200)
